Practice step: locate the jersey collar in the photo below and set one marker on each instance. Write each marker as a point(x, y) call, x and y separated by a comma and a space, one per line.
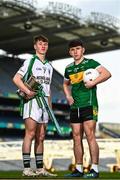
point(43, 62)
point(81, 61)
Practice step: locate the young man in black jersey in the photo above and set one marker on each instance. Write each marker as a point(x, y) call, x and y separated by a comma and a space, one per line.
point(83, 103)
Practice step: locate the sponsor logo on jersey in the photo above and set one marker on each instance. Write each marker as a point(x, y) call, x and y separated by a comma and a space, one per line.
point(76, 69)
point(38, 68)
point(69, 70)
point(85, 61)
point(43, 79)
point(76, 78)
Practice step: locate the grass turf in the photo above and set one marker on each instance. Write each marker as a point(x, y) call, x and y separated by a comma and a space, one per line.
point(18, 175)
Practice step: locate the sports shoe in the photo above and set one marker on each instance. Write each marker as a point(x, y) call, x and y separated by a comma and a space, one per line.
point(28, 172)
point(75, 173)
point(44, 172)
point(91, 174)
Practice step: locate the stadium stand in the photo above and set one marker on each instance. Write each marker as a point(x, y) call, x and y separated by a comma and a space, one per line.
point(60, 22)
point(109, 130)
point(62, 156)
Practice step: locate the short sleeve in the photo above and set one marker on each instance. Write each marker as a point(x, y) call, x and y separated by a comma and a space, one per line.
point(23, 69)
point(66, 75)
point(94, 64)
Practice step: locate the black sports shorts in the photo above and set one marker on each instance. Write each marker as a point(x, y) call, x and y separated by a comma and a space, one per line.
point(80, 115)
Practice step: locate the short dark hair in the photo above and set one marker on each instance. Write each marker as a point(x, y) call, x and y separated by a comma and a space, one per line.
point(40, 38)
point(75, 43)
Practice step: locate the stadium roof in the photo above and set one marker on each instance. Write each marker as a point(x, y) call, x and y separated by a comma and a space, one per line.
point(20, 21)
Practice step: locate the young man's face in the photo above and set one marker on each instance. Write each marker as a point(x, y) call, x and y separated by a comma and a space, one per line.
point(76, 52)
point(41, 47)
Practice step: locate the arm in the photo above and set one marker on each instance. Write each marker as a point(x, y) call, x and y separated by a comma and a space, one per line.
point(17, 79)
point(67, 91)
point(104, 75)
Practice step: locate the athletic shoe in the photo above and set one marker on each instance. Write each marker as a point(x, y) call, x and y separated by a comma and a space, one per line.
point(91, 174)
point(75, 173)
point(28, 172)
point(44, 172)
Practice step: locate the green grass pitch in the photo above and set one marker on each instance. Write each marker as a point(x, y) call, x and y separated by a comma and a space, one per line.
point(18, 175)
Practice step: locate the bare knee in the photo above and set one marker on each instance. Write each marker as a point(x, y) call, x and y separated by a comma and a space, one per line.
point(89, 129)
point(90, 136)
point(40, 138)
point(30, 135)
point(76, 137)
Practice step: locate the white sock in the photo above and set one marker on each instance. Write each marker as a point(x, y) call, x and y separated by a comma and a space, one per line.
point(95, 167)
point(79, 167)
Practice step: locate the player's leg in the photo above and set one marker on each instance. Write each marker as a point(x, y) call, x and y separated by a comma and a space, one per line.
point(30, 128)
point(77, 130)
point(39, 144)
point(89, 128)
point(39, 150)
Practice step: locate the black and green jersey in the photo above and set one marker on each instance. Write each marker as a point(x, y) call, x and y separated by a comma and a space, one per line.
point(82, 96)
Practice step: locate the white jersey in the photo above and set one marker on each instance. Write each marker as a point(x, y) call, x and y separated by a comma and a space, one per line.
point(41, 71)
point(43, 74)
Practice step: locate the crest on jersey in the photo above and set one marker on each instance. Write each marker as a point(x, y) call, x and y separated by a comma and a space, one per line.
point(44, 69)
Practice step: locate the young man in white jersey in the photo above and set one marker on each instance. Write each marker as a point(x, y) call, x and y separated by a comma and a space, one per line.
point(36, 117)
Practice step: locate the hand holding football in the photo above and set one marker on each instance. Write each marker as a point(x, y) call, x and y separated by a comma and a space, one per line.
point(90, 75)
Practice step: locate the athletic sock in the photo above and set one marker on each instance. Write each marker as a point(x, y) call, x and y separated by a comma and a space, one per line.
point(26, 160)
point(95, 167)
point(79, 167)
point(39, 160)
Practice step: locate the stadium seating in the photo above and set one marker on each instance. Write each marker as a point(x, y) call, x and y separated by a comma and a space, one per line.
point(58, 154)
